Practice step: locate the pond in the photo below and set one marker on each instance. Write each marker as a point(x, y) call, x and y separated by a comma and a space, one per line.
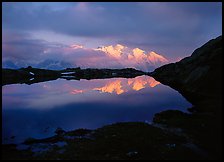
point(36, 110)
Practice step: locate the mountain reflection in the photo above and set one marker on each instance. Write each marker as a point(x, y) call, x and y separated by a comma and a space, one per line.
point(114, 85)
point(120, 86)
point(51, 94)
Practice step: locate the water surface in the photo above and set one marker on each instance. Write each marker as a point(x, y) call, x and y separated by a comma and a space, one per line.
point(37, 110)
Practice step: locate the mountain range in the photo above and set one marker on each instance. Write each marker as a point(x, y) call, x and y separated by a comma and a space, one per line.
point(117, 56)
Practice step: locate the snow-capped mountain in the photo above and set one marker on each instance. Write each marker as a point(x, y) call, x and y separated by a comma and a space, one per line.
point(118, 56)
point(136, 57)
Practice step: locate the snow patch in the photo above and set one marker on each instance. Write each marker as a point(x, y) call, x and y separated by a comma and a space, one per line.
point(65, 73)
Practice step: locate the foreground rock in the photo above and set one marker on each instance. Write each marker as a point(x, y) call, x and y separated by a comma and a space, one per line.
point(203, 130)
point(121, 141)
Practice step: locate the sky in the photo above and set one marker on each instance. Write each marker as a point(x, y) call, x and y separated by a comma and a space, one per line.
point(142, 35)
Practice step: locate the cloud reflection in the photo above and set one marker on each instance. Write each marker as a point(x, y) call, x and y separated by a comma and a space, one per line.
point(76, 91)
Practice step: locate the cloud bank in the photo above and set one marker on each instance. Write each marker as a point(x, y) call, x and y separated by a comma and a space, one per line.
point(57, 56)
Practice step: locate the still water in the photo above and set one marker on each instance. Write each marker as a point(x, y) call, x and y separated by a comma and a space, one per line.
point(37, 110)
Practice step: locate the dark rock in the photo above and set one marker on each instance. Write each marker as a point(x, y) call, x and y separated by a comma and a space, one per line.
point(198, 77)
point(169, 116)
point(203, 129)
point(79, 132)
point(30, 140)
point(121, 141)
point(31, 75)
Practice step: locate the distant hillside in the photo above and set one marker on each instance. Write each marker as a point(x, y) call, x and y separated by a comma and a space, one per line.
point(31, 75)
point(46, 64)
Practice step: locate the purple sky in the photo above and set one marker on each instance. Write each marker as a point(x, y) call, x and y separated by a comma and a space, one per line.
point(37, 31)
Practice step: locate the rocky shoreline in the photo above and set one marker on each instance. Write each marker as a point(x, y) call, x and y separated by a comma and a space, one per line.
point(32, 75)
